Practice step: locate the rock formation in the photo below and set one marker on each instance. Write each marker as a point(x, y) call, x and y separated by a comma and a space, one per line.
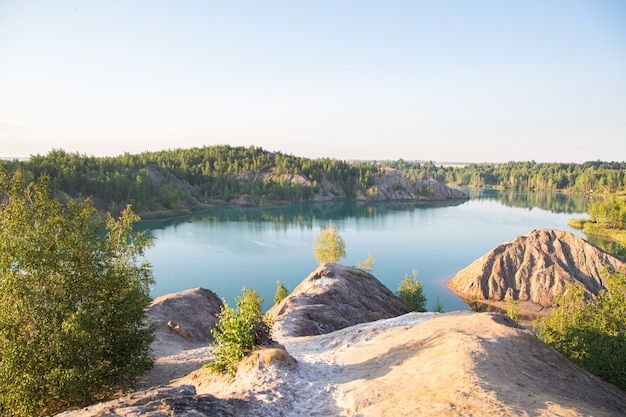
point(392, 185)
point(425, 364)
point(535, 268)
point(183, 320)
point(417, 364)
point(331, 298)
point(183, 323)
point(179, 401)
point(388, 185)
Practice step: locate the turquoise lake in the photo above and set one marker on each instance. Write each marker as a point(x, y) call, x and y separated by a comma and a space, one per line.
point(226, 248)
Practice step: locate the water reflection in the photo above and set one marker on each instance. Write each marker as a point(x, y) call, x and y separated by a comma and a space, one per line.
point(552, 202)
point(302, 214)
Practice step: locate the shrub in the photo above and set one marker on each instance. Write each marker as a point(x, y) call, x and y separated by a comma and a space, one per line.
point(238, 331)
point(411, 291)
point(438, 308)
point(73, 295)
point(512, 307)
point(329, 245)
point(591, 334)
point(281, 292)
point(367, 264)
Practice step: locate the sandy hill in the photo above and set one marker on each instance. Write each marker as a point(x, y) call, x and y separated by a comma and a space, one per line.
point(415, 364)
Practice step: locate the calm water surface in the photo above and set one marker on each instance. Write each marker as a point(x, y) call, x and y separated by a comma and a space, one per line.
point(227, 248)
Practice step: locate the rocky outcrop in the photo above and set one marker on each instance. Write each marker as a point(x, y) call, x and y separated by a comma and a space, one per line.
point(425, 364)
point(244, 201)
point(180, 401)
point(535, 268)
point(418, 364)
point(183, 320)
point(331, 298)
point(388, 185)
point(392, 185)
point(159, 179)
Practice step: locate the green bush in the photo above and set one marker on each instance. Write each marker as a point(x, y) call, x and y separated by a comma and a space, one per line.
point(591, 334)
point(512, 307)
point(368, 263)
point(73, 295)
point(281, 292)
point(438, 307)
point(238, 332)
point(411, 291)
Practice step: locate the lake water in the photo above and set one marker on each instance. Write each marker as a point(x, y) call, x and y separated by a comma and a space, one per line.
point(227, 248)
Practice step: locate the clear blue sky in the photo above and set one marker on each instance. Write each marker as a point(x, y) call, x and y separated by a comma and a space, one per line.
point(474, 81)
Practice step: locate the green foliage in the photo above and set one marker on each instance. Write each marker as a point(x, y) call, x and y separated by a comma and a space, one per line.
point(238, 331)
point(411, 291)
point(438, 308)
point(281, 292)
point(368, 263)
point(475, 305)
point(577, 223)
point(512, 307)
point(607, 227)
point(589, 177)
point(179, 180)
point(329, 245)
point(610, 213)
point(73, 294)
point(591, 334)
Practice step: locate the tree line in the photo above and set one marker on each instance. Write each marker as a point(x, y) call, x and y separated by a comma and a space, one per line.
point(213, 173)
point(176, 180)
point(588, 177)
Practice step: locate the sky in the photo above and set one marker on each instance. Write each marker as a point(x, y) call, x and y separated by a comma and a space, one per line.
point(444, 80)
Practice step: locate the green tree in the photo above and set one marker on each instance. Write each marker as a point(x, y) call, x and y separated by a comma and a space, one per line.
point(329, 245)
point(438, 308)
point(512, 307)
point(238, 331)
point(411, 291)
point(73, 295)
point(281, 292)
point(367, 264)
point(591, 334)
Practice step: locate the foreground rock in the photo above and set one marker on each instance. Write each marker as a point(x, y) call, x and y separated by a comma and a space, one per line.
point(331, 298)
point(534, 268)
point(183, 323)
point(418, 364)
point(415, 364)
point(183, 320)
point(454, 364)
point(180, 401)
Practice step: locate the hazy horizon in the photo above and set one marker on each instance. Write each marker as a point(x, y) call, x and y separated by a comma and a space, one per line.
point(444, 162)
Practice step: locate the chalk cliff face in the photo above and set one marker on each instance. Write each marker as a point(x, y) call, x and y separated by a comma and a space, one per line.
point(535, 268)
point(388, 185)
point(392, 185)
point(331, 298)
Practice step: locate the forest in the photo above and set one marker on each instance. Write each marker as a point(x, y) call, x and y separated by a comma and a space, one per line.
point(176, 181)
point(588, 177)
